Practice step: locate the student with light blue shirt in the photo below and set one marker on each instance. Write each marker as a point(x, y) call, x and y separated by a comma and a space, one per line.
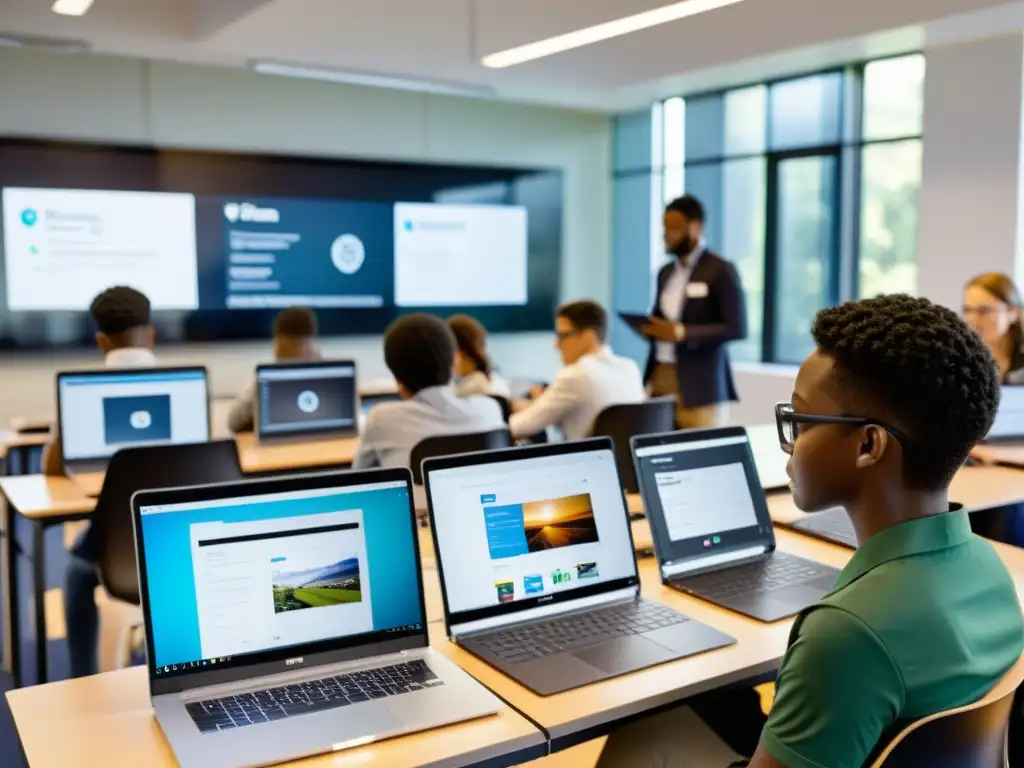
point(419, 350)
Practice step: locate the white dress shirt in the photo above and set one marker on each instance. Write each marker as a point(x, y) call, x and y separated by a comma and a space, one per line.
point(673, 299)
point(579, 393)
point(392, 430)
point(479, 383)
point(130, 357)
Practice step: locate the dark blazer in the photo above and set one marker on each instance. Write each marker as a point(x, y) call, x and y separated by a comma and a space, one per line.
point(702, 363)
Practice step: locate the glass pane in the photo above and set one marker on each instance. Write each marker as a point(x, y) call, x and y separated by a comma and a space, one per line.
point(705, 127)
point(746, 121)
point(805, 250)
point(805, 112)
point(705, 183)
point(890, 180)
point(743, 212)
point(894, 97)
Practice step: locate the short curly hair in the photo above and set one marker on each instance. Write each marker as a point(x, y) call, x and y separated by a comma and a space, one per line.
point(923, 370)
point(120, 309)
point(419, 350)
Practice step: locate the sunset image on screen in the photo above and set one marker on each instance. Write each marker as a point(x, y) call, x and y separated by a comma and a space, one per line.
point(559, 522)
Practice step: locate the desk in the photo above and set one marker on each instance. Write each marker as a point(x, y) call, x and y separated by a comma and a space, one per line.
point(257, 457)
point(1010, 454)
point(107, 720)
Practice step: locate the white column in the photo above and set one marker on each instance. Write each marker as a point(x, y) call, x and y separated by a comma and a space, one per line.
point(969, 210)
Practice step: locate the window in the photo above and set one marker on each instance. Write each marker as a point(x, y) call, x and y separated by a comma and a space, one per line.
point(810, 185)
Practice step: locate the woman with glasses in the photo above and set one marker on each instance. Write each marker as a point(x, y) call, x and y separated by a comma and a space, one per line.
point(474, 372)
point(992, 307)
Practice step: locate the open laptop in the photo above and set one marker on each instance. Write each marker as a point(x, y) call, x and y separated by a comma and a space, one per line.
point(306, 401)
point(102, 411)
point(712, 533)
point(285, 618)
point(1009, 422)
point(537, 567)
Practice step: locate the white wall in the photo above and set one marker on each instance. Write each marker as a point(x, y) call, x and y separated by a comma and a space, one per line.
point(124, 100)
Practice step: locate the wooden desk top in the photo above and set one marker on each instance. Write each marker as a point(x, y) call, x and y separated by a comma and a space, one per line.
point(38, 497)
point(256, 457)
point(107, 720)
point(1010, 454)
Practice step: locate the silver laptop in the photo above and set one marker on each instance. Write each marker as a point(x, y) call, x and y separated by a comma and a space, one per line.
point(712, 533)
point(1009, 422)
point(285, 618)
point(537, 567)
point(306, 401)
point(102, 411)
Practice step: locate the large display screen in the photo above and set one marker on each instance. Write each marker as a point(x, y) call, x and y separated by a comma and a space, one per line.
point(221, 242)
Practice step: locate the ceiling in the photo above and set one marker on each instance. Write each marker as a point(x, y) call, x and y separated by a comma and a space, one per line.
point(445, 39)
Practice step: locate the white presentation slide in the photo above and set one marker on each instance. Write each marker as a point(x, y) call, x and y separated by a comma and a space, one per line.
point(701, 502)
point(1009, 421)
point(281, 582)
point(530, 528)
point(64, 246)
point(459, 255)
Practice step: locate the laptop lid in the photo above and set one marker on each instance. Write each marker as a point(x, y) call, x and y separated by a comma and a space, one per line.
point(102, 411)
point(703, 498)
point(527, 529)
point(252, 578)
point(308, 398)
point(1009, 421)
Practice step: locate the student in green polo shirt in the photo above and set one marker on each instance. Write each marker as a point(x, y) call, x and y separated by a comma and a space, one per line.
point(924, 617)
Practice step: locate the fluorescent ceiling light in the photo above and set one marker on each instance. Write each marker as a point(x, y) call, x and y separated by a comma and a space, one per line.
point(370, 79)
point(52, 44)
point(605, 31)
point(71, 7)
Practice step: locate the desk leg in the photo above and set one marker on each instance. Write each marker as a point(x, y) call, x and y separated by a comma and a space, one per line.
point(39, 585)
point(11, 602)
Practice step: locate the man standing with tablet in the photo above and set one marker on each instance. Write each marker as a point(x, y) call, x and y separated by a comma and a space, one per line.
point(699, 306)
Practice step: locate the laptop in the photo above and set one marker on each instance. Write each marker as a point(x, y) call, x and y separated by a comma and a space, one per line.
point(285, 618)
point(306, 401)
point(1009, 422)
point(537, 568)
point(713, 537)
point(832, 525)
point(102, 411)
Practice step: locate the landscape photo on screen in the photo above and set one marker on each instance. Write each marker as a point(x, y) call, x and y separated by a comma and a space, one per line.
point(561, 522)
point(334, 583)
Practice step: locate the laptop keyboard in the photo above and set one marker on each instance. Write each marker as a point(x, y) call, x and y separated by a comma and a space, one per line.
point(283, 701)
point(570, 633)
point(769, 575)
point(831, 525)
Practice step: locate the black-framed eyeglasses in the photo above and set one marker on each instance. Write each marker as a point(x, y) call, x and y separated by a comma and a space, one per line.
point(563, 335)
point(787, 420)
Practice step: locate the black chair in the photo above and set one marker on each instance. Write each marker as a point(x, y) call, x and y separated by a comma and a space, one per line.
point(506, 406)
point(621, 422)
point(110, 539)
point(447, 445)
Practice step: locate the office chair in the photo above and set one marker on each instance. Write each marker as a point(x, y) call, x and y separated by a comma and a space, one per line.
point(110, 534)
point(447, 445)
point(312, 469)
point(974, 736)
point(621, 422)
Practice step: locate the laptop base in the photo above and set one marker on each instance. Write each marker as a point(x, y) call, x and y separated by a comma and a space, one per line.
point(831, 525)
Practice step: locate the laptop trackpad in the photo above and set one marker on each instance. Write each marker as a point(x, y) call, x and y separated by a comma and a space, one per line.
point(624, 654)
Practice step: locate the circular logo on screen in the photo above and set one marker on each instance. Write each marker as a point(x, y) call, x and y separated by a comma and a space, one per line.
point(308, 401)
point(348, 254)
point(29, 217)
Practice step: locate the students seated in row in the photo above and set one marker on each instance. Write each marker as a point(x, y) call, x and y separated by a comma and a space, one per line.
point(419, 350)
point(593, 377)
point(924, 617)
point(474, 373)
point(295, 331)
point(124, 336)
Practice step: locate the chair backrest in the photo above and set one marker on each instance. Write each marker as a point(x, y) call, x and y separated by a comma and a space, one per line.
point(506, 406)
point(447, 445)
point(621, 422)
point(973, 736)
point(136, 469)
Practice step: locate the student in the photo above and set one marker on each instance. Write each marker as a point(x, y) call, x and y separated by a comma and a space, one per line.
point(124, 336)
point(473, 370)
point(593, 377)
point(419, 350)
point(992, 307)
point(295, 332)
point(924, 617)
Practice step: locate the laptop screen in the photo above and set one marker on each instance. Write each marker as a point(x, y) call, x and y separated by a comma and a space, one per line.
point(100, 413)
point(306, 399)
point(240, 579)
point(518, 532)
point(702, 493)
point(1009, 421)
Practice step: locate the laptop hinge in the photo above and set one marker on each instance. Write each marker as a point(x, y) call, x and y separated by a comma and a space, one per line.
point(585, 603)
point(694, 565)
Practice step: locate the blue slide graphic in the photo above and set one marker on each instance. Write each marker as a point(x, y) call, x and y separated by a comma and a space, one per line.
point(506, 531)
point(136, 419)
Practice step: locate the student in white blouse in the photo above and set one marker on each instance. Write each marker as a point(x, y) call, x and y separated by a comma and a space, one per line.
point(474, 372)
point(593, 377)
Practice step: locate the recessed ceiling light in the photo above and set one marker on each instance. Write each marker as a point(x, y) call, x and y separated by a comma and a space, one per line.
point(371, 79)
point(604, 31)
point(71, 7)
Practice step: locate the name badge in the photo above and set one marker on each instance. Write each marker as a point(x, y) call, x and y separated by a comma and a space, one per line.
point(696, 290)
